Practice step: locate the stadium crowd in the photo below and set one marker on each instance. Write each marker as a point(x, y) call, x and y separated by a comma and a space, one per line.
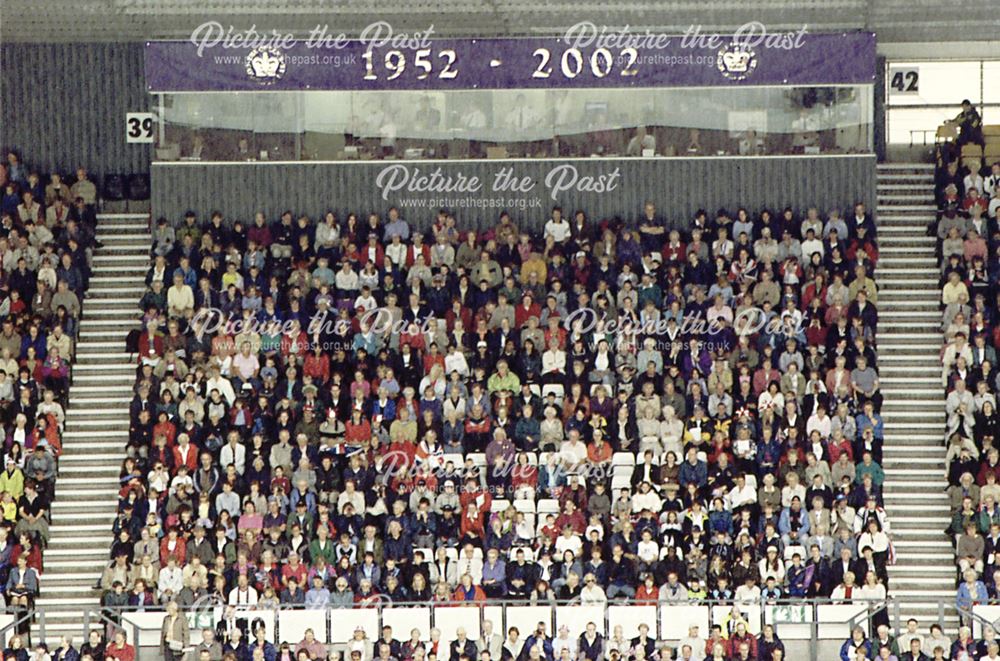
point(968, 197)
point(46, 241)
point(346, 411)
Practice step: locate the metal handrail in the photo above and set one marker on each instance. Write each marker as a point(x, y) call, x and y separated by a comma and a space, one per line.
point(216, 611)
point(26, 616)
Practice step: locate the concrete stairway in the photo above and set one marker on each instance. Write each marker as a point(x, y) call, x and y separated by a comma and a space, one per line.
point(909, 341)
point(96, 430)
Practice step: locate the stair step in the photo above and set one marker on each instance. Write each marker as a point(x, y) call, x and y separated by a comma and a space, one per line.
point(52, 565)
point(898, 414)
point(98, 401)
point(900, 521)
point(91, 506)
point(55, 551)
point(939, 508)
point(910, 472)
point(81, 602)
point(926, 248)
point(99, 368)
point(81, 433)
point(70, 462)
point(63, 581)
point(61, 529)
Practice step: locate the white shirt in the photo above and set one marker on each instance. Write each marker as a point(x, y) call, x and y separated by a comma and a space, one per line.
point(558, 231)
point(234, 455)
point(456, 362)
point(170, 579)
point(240, 598)
point(471, 566)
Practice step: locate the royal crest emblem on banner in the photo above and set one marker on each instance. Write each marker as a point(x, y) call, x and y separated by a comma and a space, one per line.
point(265, 65)
point(736, 61)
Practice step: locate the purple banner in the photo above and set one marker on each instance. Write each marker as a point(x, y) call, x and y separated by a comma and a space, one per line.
point(551, 62)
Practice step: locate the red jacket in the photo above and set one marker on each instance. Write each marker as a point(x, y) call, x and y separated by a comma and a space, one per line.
point(411, 255)
point(735, 641)
point(318, 367)
point(191, 460)
point(145, 342)
point(477, 594)
point(179, 552)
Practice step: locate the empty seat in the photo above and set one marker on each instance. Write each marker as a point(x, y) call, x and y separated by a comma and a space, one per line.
point(524, 505)
point(547, 506)
point(138, 187)
point(622, 471)
point(499, 505)
point(114, 187)
point(623, 459)
point(555, 389)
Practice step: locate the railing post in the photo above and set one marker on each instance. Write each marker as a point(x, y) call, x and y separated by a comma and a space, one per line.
point(814, 633)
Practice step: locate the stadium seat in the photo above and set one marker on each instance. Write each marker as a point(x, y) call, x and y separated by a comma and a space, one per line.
point(525, 505)
point(547, 506)
point(623, 459)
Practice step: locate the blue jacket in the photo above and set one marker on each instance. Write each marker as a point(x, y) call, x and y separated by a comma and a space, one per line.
point(784, 522)
point(30, 579)
point(846, 650)
point(698, 474)
point(964, 600)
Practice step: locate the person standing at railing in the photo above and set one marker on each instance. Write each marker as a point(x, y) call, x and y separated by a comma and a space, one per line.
point(174, 634)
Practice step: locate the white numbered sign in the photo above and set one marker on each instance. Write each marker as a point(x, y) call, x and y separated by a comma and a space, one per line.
point(139, 127)
point(904, 80)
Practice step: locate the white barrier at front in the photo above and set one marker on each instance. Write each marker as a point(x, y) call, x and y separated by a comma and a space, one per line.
point(292, 625)
point(630, 617)
point(449, 618)
point(750, 614)
point(988, 613)
point(495, 614)
point(149, 625)
point(833, 619)
point(404, 620)
point(343, 622)
point(577, 617)
point(675, 621)
point(526, 619)
point(790, 621)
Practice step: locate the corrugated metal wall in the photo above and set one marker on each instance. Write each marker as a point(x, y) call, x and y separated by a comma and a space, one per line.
point(64, 105)
point(677, 186)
